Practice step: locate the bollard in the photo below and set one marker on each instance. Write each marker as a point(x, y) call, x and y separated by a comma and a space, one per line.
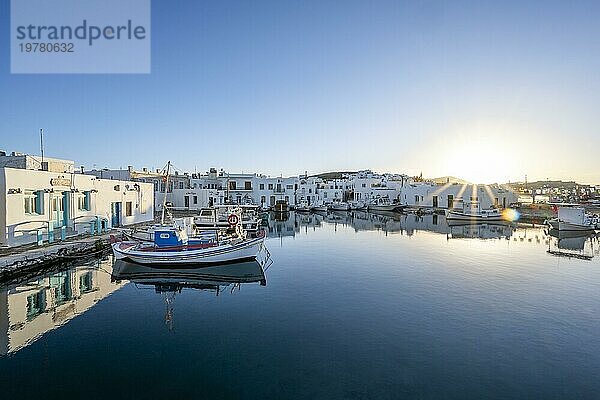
point(40, 237)
point(92, 227)
point(51, 232)
point(63, 233)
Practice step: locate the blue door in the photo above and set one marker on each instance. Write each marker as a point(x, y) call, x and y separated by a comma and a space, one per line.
point(66, 200)
point(115, 211)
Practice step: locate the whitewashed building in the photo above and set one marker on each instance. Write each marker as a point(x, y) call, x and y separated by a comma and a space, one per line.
point(426, 194)
point(44, 206)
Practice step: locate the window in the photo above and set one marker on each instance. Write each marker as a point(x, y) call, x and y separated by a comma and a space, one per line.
point(35, 304)
point(180, 185)
point(287, 199)
point(289, 186)
point(128, 209)
point(309, 190)
point(364, 185)
point(83, 201)
point(247, 185)
point(263, 199)
point(270, 186)
point(29, 202)
point(416, 199)
point(261, 186)
point(195, 199)
point(85, 282)
point(156, 186)
point(324, 195)
point(232, 185)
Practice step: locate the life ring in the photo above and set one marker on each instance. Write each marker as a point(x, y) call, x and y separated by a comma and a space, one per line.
point(233, 219)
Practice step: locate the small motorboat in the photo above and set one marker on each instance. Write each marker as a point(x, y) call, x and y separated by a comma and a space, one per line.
point(171, 245)
point(338, 205)
point(574, 219)
point(471, 211)
point(302, 206)
point(321, 207)
point(383, 204)
point(358, 205)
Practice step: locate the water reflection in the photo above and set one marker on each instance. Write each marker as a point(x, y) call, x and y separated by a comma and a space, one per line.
point(573, 244)
point(170, 281)
point(30, 308)
point(582, 245)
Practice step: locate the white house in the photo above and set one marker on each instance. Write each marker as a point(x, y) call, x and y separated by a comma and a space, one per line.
point(426, 194)
point(39, 205)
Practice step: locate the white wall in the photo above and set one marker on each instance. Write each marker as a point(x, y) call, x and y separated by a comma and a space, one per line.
point(102, 193)
point(422, 195)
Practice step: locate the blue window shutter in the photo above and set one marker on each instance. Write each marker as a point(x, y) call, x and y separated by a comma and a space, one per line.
point(86, 203)
point(39, 202)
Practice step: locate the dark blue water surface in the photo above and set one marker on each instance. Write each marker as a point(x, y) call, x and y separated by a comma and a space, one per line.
point(350, 306)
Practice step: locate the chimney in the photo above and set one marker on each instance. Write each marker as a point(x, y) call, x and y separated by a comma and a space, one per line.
point(82, 169)
point(130, 168)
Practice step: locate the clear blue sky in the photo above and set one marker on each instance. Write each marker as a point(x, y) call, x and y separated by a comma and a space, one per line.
point(280, 87)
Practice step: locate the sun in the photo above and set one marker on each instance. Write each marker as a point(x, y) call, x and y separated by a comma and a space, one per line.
point(479, 160)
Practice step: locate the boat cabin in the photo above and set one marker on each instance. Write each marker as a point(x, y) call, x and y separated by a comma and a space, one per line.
point(170, 237)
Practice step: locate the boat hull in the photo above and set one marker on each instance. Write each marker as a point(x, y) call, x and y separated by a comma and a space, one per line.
point(389, 207)
point(246, 250)
point(340, 208)
point(568, 226)
point(319, 208)
point(458, 216)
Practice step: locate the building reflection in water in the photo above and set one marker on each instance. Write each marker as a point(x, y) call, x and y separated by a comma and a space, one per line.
point(574, 244)
point(29, 309)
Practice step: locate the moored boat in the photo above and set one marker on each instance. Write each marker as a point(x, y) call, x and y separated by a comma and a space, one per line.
point(574, 219)
point(171, 245)
point(303, 206)
point(358, 205)
point(383, 204)
point(338, 205)
point(471, 211)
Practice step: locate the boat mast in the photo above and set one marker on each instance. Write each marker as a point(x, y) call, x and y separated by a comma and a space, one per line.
point(164, 205)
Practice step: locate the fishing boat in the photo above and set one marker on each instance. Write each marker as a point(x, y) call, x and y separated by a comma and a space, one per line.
point(383, 204)
point(574, 219)
point(303, 206)
point(471, 211)
point(358, 205)
point(338, 205)
point(172, 246)
point(320, 207)
point(217, 217)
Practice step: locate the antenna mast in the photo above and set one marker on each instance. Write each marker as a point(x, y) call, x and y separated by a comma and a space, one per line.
point(164, 205)
point(42, 146)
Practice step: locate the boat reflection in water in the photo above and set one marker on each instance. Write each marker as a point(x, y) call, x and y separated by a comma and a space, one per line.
point(466, 230)
point(573, 244)
point(170, 281)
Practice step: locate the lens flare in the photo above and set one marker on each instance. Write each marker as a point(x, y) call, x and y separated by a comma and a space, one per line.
point(510, 214)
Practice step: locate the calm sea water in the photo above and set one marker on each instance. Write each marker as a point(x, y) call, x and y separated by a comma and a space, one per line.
point(349, 306)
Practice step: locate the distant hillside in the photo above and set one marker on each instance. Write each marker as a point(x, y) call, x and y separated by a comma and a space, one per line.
point(450, 179)
point(333, 175)
point(541, 184)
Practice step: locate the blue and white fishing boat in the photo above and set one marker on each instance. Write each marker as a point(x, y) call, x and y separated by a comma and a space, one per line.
point(172, 246)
